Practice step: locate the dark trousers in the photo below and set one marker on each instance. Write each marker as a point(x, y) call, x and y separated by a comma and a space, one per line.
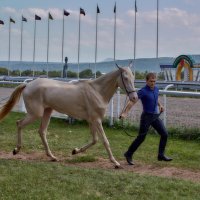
point(147, 120)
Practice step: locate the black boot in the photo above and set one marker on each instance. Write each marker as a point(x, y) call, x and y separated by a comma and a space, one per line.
point(128, 159)
point(164, 158)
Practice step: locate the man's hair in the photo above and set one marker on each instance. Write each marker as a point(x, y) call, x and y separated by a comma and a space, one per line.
point(150, 75)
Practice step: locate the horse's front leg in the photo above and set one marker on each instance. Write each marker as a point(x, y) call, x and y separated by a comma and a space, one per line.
point(93, 132)
point(106, 143)
point(43, 131)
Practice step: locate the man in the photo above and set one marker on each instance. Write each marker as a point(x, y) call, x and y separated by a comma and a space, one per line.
point(150, 117)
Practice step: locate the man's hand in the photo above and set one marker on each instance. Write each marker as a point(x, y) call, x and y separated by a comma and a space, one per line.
point(122, 115)
point(125, 111)
point(161, 108)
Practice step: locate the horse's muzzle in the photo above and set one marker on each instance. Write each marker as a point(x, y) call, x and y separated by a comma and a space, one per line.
point(133, 96)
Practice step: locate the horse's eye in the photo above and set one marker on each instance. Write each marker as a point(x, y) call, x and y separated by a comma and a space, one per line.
point(125, 77)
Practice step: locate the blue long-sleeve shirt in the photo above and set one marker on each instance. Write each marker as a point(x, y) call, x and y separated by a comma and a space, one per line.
point(149, 99)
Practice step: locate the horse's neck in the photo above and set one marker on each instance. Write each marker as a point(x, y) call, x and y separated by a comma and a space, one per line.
point(106, 85)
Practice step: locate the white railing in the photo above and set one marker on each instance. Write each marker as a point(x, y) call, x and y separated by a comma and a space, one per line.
point(165, 92)
point(119, 99)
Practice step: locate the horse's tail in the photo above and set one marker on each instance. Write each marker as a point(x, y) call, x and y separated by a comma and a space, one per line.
point(14, 98)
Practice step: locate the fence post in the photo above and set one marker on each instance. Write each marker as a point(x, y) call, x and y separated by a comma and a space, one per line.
point(118, 102)
point(165, 102)
point(111, 112)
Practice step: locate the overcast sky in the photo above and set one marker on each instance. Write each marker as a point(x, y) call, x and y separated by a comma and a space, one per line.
point(179, 29)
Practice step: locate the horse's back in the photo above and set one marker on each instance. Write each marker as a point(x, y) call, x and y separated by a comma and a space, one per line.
point(42, 83)
point(60, 96)
point(81, 99)
point(36, 92)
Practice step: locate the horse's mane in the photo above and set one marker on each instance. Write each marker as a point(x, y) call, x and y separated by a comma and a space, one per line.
point(104, 77)
point(79, 82)
point(101, 79)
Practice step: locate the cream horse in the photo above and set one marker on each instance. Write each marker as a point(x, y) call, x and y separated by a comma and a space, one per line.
point(82, 100)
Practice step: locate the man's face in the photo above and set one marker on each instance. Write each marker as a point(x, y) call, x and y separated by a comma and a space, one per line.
point(151, 82)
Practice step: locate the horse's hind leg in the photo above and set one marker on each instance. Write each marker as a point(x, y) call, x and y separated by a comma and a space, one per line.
point(43, 130)
point(20, 125)
point(93, 132)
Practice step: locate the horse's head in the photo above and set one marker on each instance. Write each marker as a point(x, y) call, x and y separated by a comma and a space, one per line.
point(126, 82)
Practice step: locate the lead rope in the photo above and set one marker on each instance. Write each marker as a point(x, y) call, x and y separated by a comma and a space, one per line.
point(123, 126)
point(3, 99)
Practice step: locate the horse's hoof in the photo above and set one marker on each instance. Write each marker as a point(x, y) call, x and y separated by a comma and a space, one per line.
point(118, 167)
point(15, 151)
point(74, 151)
point(53, 158)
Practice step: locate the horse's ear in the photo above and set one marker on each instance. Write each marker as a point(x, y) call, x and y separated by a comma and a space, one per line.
point(117, 66)
point(130, 64)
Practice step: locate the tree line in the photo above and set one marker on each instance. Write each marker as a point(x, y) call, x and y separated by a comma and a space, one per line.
point(87, 73)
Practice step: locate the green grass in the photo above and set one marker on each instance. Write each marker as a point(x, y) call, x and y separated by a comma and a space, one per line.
point(32, 180)
point(63, 138)
point(47, 180)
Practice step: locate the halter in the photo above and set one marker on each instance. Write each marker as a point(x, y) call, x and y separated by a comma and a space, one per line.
point(128, 92)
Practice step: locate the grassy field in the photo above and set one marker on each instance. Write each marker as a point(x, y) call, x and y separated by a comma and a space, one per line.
point(47, 180)
point(31, 180)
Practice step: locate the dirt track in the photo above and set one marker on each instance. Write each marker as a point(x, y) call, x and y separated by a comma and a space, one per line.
point(140, 168)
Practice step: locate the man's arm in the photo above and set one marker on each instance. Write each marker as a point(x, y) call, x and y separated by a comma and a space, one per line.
point(128, 106)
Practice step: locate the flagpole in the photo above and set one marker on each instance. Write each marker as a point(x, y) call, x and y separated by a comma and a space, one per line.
point(79, 42)
point(115, 32)
point(157, 29)
point(48, 50)
point(96, 44)
point(135, 35)
point(21, 44)
point(111, 101)
point(1, 23)
point(9, 48)
point(63, 34)
point(21, 40)
point(34, 48)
